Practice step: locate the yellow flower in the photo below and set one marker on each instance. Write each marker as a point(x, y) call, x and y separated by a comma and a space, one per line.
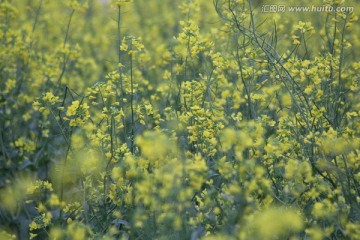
point(54, 200)
point(277, 223)
point(120, 3)
point(77, 114)
point(71, 111)
point(33, 226)
point(50, 98)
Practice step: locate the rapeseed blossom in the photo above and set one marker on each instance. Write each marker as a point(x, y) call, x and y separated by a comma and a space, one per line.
point(77, 113)
point(185, 120)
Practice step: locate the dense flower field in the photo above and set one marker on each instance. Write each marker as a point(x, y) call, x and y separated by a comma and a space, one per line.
point(174, 119)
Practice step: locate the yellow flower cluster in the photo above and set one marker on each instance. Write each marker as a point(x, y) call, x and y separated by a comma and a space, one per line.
point(211, 123)
point(77, 113)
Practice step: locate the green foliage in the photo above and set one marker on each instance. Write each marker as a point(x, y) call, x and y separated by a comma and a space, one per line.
point(178, 120)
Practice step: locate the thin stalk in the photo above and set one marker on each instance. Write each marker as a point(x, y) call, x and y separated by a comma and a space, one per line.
point(337, 117)
point(37, 16)
point(246, 87)
point(62, 186)
point(112, 135)
point(119, 52)
point(66, 57)
point(68, 27)
point(132, 103)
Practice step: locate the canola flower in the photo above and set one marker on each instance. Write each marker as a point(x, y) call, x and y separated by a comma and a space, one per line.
point(178, 120)
point(77, 114)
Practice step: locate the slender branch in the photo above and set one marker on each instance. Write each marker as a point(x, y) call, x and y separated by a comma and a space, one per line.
point(119, 52)
point(66, 56)
point(132, 102)
point(37, 16)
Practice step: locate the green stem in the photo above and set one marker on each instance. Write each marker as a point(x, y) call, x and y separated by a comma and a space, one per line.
point(66, 57)
point(132, 104)
point(119, 52)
